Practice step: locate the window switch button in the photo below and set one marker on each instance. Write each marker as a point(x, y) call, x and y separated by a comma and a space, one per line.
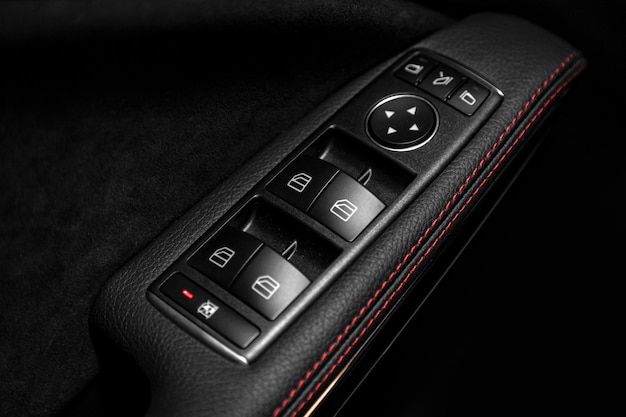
point(346, 207)
point(225, 254)
point(269, 283)
point(302, 181)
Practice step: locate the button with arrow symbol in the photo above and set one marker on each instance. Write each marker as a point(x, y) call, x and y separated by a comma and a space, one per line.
point(402, 122)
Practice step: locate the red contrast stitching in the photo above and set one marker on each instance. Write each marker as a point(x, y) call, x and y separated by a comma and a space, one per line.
point(372, 299)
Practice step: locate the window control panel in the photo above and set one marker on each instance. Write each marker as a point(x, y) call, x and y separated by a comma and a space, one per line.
point(280, 247)
point(253, 272)
point(329, 195)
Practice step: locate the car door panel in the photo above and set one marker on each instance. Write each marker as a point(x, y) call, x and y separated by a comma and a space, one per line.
point(318, 347)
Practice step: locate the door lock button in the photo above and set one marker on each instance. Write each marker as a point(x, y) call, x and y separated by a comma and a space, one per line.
point(346, 207)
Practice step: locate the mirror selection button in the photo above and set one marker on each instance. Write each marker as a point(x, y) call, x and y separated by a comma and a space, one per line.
point(415, 69)
point(346, 207)
point(302, 181)
point(225, 254)
point(269, 283)
point(468, 97)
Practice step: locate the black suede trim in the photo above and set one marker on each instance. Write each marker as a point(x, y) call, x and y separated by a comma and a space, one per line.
point(118, 117)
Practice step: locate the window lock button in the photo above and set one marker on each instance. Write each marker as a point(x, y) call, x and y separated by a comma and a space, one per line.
point(209, 310)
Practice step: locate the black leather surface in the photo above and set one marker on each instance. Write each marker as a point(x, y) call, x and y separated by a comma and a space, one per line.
point(531, 67)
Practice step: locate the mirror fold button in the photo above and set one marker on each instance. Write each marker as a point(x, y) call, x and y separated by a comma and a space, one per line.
point(442, 81)
point(468, 98)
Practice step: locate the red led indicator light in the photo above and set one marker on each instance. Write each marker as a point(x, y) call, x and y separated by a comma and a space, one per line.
point(187, 293)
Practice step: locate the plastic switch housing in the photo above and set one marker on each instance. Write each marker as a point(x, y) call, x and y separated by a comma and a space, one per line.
point(277, 249)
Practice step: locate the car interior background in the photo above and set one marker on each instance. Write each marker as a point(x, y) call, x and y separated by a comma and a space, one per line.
point(118, 119)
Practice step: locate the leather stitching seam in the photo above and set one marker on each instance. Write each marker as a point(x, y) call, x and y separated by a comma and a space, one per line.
point(294, 391)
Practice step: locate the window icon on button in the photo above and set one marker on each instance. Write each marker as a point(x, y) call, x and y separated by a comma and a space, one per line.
point(265, 286)
point(344, 209)
point(222, 256)
point(299, 182)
